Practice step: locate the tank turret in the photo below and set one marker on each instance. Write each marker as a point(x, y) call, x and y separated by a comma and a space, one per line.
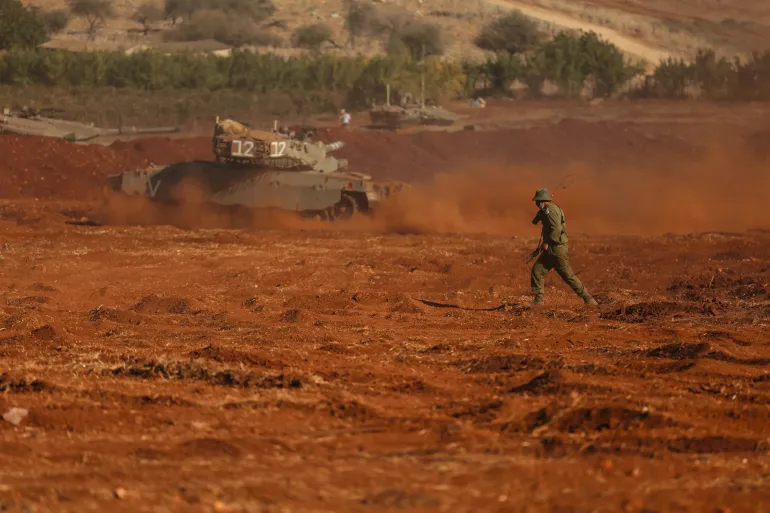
point(235, 143)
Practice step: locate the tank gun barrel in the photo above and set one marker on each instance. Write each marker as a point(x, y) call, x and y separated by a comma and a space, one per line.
point(135, 130)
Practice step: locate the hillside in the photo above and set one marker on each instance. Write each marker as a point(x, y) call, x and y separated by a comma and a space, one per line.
point(651, 29)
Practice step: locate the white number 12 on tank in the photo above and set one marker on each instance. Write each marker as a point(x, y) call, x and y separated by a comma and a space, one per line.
point(242, 148)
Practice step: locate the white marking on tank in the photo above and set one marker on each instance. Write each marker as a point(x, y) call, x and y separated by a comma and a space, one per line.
point(153, 190)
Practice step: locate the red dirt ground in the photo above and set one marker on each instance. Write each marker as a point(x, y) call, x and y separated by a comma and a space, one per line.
point(277, 369)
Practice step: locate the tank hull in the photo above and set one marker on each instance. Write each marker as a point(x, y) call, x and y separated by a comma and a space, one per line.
point(399, 117)
point(338, 194)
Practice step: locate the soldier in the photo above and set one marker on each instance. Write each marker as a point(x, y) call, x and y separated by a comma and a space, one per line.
point(554, 249)
point(344, 118)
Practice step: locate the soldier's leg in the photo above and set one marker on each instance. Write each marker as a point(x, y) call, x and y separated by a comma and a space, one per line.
point(542, 266)
point(564, 269)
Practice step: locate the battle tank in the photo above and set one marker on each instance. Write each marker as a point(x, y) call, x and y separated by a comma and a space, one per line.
point(393, 116)
point(264, 169)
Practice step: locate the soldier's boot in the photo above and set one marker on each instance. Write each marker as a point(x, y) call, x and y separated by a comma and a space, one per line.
point(588, 299)
point(537, 300)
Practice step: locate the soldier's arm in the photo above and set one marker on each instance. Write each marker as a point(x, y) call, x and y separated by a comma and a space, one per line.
point(554, 226)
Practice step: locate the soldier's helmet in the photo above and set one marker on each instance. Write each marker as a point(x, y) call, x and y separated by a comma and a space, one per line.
point(542, 195)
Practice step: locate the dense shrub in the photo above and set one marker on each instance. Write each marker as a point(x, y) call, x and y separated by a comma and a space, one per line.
point(148, 13)
point(313, 36)
point(751, 80)
point(254, 10)
point(669, 80)
point(20, 27)
point(513, 33)
point(712, 75)
point(223, 27)
point(55, 21)
point(418, 39)
point(569, 61)
point(363, 19)
point(711, 78)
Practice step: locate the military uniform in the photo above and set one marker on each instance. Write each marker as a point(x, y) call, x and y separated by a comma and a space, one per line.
point(556, 256)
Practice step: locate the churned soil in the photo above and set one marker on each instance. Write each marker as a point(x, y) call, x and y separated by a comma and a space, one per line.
point(393, 362)
point(201, 370)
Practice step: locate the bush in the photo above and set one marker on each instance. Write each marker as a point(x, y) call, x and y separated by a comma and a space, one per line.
point(220, 26)
point(712, 76)
point(752, 79)
point(148, 13)
point(669, 80)
point(560, 61)
point(254, 10)
point(715, 78)
point(94, 12)
point(606, 64)
point(20, 27)
point(363, 20)
point(313, 36)
point(419, 39)
point(513, 33)
point(55, 21)
point(568, 61)
point(176, 9)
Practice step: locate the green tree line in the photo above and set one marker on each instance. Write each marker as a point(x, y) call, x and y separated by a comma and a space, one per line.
point(712, 78)
point(362, 80)
point(520, 53)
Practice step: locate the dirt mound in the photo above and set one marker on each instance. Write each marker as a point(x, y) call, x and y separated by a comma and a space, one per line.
point(739, 286)
point(46, 168)
point(224, 355)
point(548, 382)
point(209, 448)
point(501, 363)
point(185, 371)
point(588, 420)
point(154, 304)
point(22, 385)
point(655, 310)
point(680, 351)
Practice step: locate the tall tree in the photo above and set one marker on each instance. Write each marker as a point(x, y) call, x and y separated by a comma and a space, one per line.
point(94, 12)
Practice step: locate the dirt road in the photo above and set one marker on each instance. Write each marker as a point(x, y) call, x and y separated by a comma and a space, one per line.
point(395, 363)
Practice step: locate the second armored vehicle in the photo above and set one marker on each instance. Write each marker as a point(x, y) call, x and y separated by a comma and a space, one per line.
point(34, 122)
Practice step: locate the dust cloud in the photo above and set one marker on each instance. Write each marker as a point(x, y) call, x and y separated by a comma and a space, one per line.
point(722, 191)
